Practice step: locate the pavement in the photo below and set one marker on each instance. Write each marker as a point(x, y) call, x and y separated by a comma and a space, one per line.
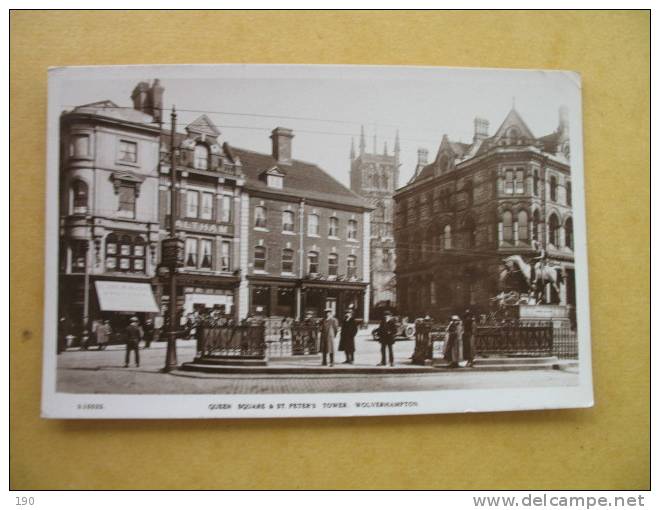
point(95, 371)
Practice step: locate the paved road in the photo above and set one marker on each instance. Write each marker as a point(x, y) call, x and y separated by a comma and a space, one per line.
point(104, 372)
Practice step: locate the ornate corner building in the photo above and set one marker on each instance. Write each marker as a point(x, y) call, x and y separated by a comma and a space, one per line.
point(375, 177)
point(476, 204)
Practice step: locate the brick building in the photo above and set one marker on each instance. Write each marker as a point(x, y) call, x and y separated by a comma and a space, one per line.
point(375, 176)
point(307, 236)
point(474, 205)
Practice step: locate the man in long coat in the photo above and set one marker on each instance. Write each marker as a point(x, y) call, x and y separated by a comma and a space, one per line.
point(133, 336)
point(386, 337)
point(347, 334)
point(329, 329)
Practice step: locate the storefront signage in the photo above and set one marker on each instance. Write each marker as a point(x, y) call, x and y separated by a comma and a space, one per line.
point(209, 228)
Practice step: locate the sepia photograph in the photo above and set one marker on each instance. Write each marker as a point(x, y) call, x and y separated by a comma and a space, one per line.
point(232, 241)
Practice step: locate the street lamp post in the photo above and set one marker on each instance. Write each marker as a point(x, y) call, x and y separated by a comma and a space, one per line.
point(171, 255)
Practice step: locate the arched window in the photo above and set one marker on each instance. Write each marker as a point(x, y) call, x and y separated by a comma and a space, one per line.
point(446, 234)
point(469, 233)
point(260, 216)
point(201, 156)
point(553, 188)
point(313, 262)
point(535, 227)
point(507, 226)
point(553, 230)
point(260, 258)
point(568, 231)
point(79, 191)
point(333, 264)
point(523, 227)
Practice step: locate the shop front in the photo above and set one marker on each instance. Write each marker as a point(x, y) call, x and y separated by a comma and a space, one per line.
point(316, 297)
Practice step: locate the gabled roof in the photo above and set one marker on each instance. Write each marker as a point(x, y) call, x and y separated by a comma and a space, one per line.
point(302, 180)
point(203, 125)
point(513, 119)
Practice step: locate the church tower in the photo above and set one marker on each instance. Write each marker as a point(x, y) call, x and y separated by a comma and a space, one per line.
point(375, 176)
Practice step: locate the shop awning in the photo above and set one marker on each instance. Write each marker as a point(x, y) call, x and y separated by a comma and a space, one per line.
point(125, 297)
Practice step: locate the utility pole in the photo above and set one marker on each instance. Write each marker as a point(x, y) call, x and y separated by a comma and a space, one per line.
point(172, 254)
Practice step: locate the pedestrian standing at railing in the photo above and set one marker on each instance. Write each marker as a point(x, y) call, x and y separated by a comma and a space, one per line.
point(454, 334)
point(329, 329)
point(386, 337)
point(469, 330)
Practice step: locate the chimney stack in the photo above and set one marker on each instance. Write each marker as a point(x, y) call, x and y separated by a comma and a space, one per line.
point(281, 138)
point(480, 129)
point(422, 156)
point(140, 96)
point(156, 100)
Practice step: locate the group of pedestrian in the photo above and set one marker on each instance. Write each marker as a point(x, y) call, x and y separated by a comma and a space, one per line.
point(459, 343)
point(347, 331)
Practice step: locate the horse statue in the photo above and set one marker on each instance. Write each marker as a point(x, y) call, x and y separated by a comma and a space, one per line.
point(536, 282)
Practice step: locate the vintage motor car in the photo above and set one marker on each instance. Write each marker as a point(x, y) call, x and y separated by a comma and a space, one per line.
point(405, 330)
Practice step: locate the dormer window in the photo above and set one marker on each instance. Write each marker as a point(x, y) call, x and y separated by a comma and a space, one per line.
point(275, 181)
point(201, 157)
point(274, 178)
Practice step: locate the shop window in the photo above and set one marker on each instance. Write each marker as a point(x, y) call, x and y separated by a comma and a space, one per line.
point(287, 260)
point(127, 152)
point(352, 229)
point(313, 225)
point(207, 206)
point(80, 194)
point(260, 258)
point(260, 217)
point(333, 264)
point(201, 156)
point(313, 262)
point(351, 266)
point(111, 252)
point(288, 221)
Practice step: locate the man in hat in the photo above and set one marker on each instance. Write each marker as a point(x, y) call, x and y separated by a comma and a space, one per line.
point(133, 337)
point(349, 329)
point(386, 337)
point(329, 328)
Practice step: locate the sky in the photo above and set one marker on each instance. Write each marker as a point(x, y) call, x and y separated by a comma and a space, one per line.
point(326, 105)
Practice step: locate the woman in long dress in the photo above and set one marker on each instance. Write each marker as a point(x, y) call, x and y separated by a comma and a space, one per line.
point(454, 334)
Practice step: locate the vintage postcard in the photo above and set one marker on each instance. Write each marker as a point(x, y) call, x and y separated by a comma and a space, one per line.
point(235, 241)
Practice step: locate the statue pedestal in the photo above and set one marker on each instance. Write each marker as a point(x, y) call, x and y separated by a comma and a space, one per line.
point(557, 314)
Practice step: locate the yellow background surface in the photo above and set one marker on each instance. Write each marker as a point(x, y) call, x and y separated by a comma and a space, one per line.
point(603, 447)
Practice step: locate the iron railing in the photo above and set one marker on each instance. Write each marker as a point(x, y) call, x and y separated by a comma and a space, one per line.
point(244, 340)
